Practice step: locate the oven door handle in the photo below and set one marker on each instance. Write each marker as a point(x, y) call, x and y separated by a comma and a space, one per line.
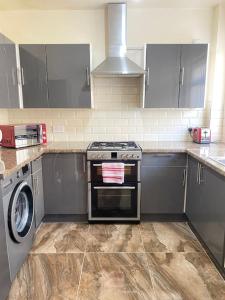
point(125, 165)
point(114, 187)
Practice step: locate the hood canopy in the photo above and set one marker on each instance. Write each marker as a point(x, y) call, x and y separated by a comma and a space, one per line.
point(117, 64)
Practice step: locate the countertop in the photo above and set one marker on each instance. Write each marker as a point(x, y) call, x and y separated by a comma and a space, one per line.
point(12, 159)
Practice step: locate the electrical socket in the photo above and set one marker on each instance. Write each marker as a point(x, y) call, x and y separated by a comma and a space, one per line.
point(190, 129)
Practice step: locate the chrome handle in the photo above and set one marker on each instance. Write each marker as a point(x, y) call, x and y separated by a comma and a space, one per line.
point(88, 76)
point(184, 177)
point(37, 186)
point(22, 76)
point(197, 179)
point(84, 163)
point(182, 76)
point(13, 76)
point(147, 77)
point(201, 174)
point(125, 165)
point(114, 187)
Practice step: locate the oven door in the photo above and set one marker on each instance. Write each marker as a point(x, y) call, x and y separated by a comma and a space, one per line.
point(131, 173)
point(114, 202)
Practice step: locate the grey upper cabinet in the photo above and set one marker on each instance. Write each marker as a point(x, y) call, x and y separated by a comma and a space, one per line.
point(163, 68)
point(65, 183)
point(38, 191)
point(206, 207)
point(34, 75)
point(193, 75)
point(68, 68)
point(176, 75)
point(163, 183)
point(9, 93)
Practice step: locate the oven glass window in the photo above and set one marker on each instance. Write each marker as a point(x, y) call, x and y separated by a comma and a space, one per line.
point(115, 203)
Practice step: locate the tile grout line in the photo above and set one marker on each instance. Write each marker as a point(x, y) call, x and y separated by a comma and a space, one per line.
point(149, 271)
point(82, 265)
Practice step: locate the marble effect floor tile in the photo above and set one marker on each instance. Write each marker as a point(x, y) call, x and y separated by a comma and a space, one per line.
point(185, 276)
point(60, 238)
point(48, 277)
point(114, 238)
point(120, 275)
point(169, 237)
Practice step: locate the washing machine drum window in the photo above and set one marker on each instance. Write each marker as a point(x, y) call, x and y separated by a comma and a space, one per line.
point(21, 212)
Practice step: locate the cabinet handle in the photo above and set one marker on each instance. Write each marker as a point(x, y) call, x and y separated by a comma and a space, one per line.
point(37, 186)
point(22, 76)
point(182, 76)
point(147, 77)
point(88, 76)
point(184, 177)
point(84, 163)
point(198, 182)
point(13, 76)
point(201, 174)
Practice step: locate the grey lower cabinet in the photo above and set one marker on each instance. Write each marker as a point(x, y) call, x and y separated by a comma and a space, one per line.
point(206, 207)
point(176, 75)
point(9, 92)
point(38, 191)
point(34, 75)
point(65, 183)
point(68, 68)
point(4, 265)
point(163, 183)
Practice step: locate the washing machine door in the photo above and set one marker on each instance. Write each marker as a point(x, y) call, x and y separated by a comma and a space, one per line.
point(21, 212)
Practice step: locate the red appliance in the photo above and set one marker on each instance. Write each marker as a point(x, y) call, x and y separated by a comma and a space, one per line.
point(201, 135)
point(22, 135)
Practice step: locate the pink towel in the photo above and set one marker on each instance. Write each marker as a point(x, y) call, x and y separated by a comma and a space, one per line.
point(113, 172)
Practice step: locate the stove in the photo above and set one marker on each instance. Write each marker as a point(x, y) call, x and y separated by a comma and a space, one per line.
point(114, 151)
point(113, 202)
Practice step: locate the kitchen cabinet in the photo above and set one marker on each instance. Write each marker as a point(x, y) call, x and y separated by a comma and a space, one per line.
point(34, 75)
point(9, 93)
point(65, 183)
point(176, 75)
point(163, 178)
point(68, 68)
point(4, 265)
point(163, 68)
point(206, 207)
point(193, 75)
point(38, 192)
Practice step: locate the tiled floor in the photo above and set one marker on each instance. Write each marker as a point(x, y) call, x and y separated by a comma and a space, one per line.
point(160, 261)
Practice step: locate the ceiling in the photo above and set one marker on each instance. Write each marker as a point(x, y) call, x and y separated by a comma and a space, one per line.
point(95, 4)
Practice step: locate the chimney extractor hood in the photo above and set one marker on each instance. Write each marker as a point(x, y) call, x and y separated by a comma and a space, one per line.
point(117, 64)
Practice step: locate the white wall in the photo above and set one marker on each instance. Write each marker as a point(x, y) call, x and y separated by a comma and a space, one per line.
point(144, 26)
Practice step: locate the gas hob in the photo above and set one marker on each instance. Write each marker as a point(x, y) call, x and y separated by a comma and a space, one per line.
point(114, 151)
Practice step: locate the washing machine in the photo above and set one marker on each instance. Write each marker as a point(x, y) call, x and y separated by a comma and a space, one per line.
point(18, 206)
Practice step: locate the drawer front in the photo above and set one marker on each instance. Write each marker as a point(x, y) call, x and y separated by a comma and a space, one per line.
point(164, 159)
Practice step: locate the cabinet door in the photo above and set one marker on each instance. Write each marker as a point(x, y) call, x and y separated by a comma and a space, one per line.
point(65, 183)
point(34, 75)
point(194, 195)
point(38, 191)
point(9, 93)
point(163, 184)
point(162, 84)
point(69, 76)
point(193, 75)
point(213, 212)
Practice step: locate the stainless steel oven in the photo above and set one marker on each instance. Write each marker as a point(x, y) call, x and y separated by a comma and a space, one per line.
point(111, 201)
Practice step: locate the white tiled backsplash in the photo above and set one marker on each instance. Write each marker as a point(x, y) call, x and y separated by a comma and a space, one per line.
point(116, 116)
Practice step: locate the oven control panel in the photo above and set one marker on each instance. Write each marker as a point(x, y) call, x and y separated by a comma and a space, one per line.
point(114, 155)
